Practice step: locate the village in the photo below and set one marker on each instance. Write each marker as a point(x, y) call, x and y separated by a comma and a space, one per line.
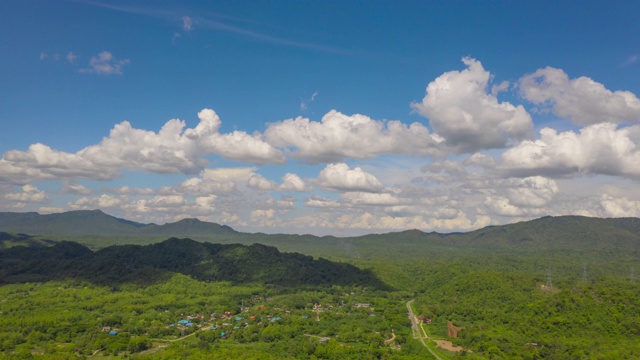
point(345, 321)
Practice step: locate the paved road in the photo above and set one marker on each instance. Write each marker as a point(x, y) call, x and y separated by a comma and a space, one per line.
point(417, 334)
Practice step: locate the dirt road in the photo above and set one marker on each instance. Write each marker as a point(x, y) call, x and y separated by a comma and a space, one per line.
point(419, 333)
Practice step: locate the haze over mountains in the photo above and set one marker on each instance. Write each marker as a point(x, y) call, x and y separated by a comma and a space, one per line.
point(574, 233)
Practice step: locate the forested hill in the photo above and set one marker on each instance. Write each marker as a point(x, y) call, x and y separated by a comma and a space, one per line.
point(577, 233)
point(203, 261)
point(563, 232)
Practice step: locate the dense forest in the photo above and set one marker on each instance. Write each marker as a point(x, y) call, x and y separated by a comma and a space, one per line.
point(519, 315)
point(553, 288)
point(152, 263)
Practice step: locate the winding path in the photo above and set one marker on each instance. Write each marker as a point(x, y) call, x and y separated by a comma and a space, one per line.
point(393, 337)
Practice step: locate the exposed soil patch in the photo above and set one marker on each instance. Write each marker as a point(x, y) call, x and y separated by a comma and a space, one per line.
point(448, 345)
point(452, 330)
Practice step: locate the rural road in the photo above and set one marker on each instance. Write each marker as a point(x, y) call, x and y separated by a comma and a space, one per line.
point(416, 330)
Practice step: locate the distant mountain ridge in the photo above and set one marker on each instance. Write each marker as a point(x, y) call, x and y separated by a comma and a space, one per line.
point(193, 227)
point(546, 234)
point(96, 222)
point(564, 232)
point(573, 233)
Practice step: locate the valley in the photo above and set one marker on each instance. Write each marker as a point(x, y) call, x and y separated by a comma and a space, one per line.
point(511, 292)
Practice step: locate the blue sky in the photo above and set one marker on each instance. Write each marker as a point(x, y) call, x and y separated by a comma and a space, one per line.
point(325, 117)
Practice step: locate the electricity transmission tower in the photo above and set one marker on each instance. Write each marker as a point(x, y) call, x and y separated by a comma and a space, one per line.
point(549, 284)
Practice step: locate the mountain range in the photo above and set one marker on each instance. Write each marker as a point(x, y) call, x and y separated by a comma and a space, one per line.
point(571, 233)
point(96, 222)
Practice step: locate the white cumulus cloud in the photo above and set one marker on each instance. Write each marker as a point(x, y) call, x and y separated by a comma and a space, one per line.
point(461, 110)
point(103, 201)
point(534, 191)
point(293, 182)
point(40, 162)
point(339, 177)
point(363, 198)
point(518, 197)
point(206, 202)
point(339, 136)
point(76, 189)
point(596, 149)
point(173, 149)
point(216, 181)
point(237, 145)
point(29, 194)
point(320, 202)
point(260, 183)
point(582, 100)
point(619, 206)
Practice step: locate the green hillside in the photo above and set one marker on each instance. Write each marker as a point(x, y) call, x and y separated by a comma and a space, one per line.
point(202, 261)
point(8, 240)
point(564, 232)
